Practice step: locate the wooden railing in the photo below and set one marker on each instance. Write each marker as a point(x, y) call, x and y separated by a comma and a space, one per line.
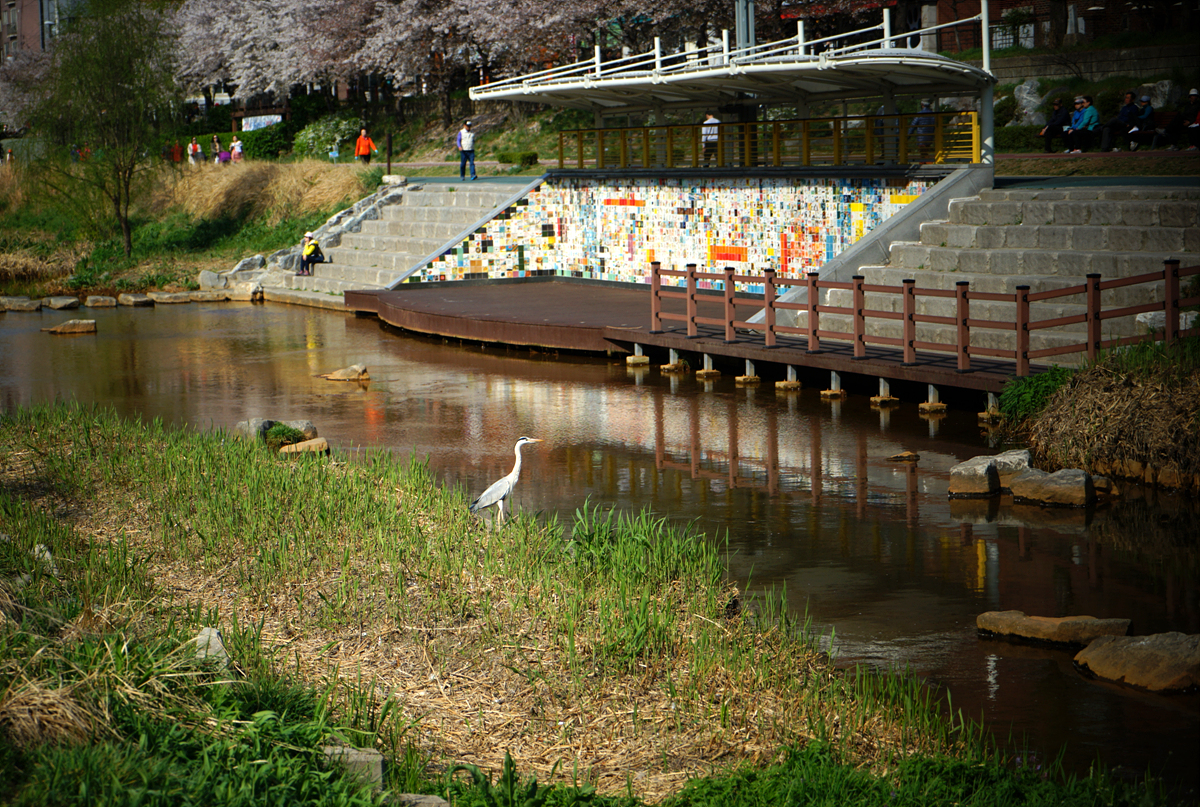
point(1094, 314)
point(937, 137)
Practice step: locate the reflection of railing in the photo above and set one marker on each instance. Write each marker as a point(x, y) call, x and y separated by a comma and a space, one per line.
point(938, 137)
point(1094, 314)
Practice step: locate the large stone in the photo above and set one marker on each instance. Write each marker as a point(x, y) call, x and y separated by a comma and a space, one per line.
point(1164, 662)
point(22, 304)
point(251, 264)
point(1011, 464)
point(1069, 487)
point(209, 646)
point(364, 764)
point(1072, 630)
point(355, 372)
point(305, 427)
point(170, 297)
point(61, 303)
point(315, 446)
point(209, 280)
point(74, 326)
point(1156, 321)
point(1029, 102)
point(254, 428)
point(208, 296)
point(100, 301)
point(246, 291)
point(975, 478)
point(419, 800)
point(129, 298)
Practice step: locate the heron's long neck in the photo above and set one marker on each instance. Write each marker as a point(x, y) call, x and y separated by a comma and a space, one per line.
point(516, 471)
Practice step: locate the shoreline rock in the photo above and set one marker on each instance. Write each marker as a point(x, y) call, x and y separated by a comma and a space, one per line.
point(1163, 662)
point(1067, 630)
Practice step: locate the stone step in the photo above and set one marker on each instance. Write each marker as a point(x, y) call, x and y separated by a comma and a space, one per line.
point(367, 260)
point(452, 196)
point(441, 230)
point(1071, 262)
point(359, 242)
point(434, 213)
point(1173, 240)
point(1077, 213)
point(361, 275)
point(324, 285)
point(1002, 284)
point(1087, 194)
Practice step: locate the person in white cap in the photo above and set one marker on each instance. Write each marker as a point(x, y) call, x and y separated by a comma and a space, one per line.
point(310, 253)
point(1142, 130)
point(466, 151)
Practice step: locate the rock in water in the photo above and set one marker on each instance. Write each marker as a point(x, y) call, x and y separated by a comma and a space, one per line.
point(1164, 662)
point(170, 296)
point(975, 478)
point(316, 446)
point(100, 301)
point(61, 303)
point(134, 299)
point(1074, 630)
point(74, 326)
point(1069, 487)
point(355, 372)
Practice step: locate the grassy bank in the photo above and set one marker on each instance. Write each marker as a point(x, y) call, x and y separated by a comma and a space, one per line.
point(608, 653)
point(1132, 409)
point(207, 217)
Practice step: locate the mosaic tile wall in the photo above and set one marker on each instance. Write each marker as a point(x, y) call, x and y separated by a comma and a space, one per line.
point(613, 229)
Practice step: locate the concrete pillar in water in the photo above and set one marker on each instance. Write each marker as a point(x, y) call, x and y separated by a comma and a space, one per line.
point(673, 365)
point(992, 413)
point(835, 386)
point(750, 377)
point(933, 404)
point(792, 383)
point(884, 398)
point(638, 359)
point(707, 371)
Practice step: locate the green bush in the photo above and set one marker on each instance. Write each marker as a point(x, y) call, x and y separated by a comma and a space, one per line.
point(1010, 139)
point(1005, 110)
point(269, 142)
point(526, 159)
point(1024, 397)
point(316, 139)
point(281, 435)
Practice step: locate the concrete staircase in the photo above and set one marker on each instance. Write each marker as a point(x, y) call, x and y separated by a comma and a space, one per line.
point(1044, 239)
point(384, 250)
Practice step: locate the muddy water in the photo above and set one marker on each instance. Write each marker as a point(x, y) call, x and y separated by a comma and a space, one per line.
point(801, 489)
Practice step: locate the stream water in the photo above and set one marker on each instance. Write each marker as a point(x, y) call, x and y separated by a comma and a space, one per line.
point(801, 489)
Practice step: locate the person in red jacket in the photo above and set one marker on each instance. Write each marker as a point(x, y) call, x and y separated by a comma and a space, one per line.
point(364, 147)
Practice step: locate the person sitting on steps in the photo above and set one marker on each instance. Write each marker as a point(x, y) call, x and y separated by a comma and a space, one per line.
point(310, 253)
point(1060, 119)
point(1119, 126)
point(1084, 120)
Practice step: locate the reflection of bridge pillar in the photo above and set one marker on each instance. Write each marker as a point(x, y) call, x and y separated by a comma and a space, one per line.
point(731, 418)
point(860, 476)
point(772, 452)
point(814, 460)
point(659, 436)
point(694, 423)
point(912, 516)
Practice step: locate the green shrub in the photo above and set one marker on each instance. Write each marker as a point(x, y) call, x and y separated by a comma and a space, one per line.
point(269, 142)
point(1025, 397)
point(316, 139)
point(526, 159)
point(281, 435)
point(1010, 139)
point(1005, 111)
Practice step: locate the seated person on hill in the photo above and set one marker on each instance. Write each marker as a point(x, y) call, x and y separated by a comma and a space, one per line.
point(1060, 119)
point(1142, 132)
point(310, 253)
point(1119, 126)
point(1084, 121)
point(1175, 134)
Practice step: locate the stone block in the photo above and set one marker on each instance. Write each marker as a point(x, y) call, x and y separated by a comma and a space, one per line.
point(637, 361)
point(208, 296)
point(317, 445)
point(1023, 237)
point(746, 380)
point(305, 427)
point(990, 237)
point(935, 233)
point(100, 301)
point(1191, 239)
point(1179, 214)
point(22, 304)
point(1005, 212)
point(1106, 214)
point(975, 261)
point(1070, 630)
point(1139, 214)
point(708, 374)
point(939, 260)
point(1054, 237)
point(1092, 238)
point(131, 299)
point(254, 428)
point(170, 297)
point(61, 303)
point(74, 326)
point(960, 236)
point(1004, 262)
point(1163, 239)
point(1012, 463)
point(209, 646)
point(1163, 662)
point(1037, 212)
point(1069, 487)
point(1070, 214)
point(210, 280)
point(364, 764)
point(787, 386)
point(975, 478)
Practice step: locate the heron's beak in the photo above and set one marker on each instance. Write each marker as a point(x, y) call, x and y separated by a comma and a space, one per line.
point(535, 440)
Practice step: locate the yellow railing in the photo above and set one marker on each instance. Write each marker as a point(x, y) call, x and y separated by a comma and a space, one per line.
point(936, 137)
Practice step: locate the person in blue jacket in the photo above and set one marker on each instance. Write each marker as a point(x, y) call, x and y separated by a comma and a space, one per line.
point(1119, 126)
point(1084, 122)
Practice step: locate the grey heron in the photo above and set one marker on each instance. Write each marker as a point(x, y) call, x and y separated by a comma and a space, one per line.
point(499, 491)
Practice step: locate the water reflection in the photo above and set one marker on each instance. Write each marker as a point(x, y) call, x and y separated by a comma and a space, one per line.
point(801, 489)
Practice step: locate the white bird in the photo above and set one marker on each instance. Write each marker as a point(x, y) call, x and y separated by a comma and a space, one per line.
point(499, 492)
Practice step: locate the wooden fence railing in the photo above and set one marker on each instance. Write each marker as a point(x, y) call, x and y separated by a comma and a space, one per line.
point(1094, 314)
point(929, 137)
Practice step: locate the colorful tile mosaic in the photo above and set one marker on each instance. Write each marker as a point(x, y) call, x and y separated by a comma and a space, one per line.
point(612, 229)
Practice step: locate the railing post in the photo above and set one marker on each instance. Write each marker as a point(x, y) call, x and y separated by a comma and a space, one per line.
point(561, 150)
point(646, 147)
point(860, 323)
point(805, 150)
point(655, 297)
point(1093, 315)
point(910, 323)
point(769, 306)
point(600, 149)
point(939, 139)
point(1171, 301)
point(962, 314)
point(597, 60)
point(775, 155)
point(837, 140)
point(814, 322)
point(670, 147)
point(800, 38)
point(730, 336)
point(691, 300)
point(579, 146)
point(1022, 299)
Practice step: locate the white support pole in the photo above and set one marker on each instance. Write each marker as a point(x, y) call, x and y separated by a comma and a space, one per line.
point(933, 395)
point(597, 60)
point(707, 362)
point(985, 28)
point(791, 372)
point(887, 28)
point(657, 54)
point(800, 37)
point(725, 45)
point(885, 389)
point(673, 356)
point(835, 380)
point(987, 123)
point(749, 368)
point(637, 349)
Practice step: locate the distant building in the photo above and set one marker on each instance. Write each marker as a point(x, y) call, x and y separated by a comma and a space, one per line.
point(30, 24)
point(1033, 23)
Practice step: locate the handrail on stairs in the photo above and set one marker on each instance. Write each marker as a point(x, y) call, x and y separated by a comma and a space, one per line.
point(686, 284)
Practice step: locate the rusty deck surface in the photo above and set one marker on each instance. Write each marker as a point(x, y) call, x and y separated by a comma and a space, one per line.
point(595, 317)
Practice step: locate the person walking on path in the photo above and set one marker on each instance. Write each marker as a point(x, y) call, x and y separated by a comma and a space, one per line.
point(710, 134)
point(466, 151)
point(364, 147)
point(236, 148)
point(310, 254)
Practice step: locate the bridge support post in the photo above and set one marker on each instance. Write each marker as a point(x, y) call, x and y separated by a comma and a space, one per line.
point(707, 370)
point(749, 378)
point(673, 365)
point(992, 413)
point(884, 398)
point(638, 359)
point(933, 404)
point(792, 383)
point(835, 386)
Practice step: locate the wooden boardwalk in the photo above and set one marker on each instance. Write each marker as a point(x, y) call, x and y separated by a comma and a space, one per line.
point(561, 314)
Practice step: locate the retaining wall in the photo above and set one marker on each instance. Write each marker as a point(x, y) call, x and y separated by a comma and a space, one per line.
point(611, 229)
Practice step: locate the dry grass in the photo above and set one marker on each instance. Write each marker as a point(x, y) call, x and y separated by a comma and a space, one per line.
point(274, 191)
point(33, 713)
point(1155, 164)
